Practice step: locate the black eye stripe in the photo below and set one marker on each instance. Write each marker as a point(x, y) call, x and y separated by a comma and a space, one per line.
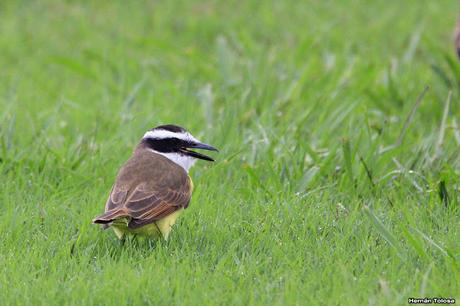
point(165, 145)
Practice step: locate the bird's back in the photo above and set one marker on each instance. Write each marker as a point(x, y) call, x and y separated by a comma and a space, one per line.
point(149, 193)
point(151, 170)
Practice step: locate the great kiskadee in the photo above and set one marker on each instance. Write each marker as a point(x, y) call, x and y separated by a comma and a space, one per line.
point(153, 187)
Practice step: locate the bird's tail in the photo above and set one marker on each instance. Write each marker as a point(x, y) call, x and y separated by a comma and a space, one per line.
point(111, 215)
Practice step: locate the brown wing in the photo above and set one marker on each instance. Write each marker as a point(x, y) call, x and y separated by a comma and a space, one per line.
point(151, 203)
point(116, 198)
point(148, 190)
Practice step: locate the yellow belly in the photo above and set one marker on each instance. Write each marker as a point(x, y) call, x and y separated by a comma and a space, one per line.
point(157, 229)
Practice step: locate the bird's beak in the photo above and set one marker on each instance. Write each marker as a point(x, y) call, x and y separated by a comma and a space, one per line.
point(199, 145)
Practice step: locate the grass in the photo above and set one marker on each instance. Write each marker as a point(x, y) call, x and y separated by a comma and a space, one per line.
point(338, 177)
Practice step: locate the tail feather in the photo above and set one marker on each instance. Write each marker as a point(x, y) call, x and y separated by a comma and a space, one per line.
point(110, 216)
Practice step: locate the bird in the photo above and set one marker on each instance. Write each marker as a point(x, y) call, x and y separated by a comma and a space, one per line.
point(153, 187)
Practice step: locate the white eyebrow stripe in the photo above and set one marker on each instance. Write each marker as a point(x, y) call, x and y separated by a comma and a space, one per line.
point(162, 134)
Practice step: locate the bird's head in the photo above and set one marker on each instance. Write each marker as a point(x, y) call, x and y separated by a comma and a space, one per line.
point(176, 143)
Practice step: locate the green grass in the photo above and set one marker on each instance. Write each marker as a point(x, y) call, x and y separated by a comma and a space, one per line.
point(327, 191)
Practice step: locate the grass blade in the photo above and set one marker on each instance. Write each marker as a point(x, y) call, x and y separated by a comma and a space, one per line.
point(383, 231)
point(407, 122)
point(347, 159)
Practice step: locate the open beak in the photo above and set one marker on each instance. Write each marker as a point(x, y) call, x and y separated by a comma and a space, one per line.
point(201, 146)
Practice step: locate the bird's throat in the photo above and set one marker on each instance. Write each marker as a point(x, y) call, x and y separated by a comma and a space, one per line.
point(186, 162)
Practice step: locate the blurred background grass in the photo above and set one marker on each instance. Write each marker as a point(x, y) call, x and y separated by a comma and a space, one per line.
point(309, 201)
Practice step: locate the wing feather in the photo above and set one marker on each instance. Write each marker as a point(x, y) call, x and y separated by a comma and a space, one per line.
point(157, 203)
point(116, 198)
point(150, 198)
point(148, 188)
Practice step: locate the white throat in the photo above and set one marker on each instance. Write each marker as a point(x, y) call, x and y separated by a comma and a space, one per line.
point(182, 160)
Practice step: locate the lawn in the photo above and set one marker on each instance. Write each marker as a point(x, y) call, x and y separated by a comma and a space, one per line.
point(338, 177)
